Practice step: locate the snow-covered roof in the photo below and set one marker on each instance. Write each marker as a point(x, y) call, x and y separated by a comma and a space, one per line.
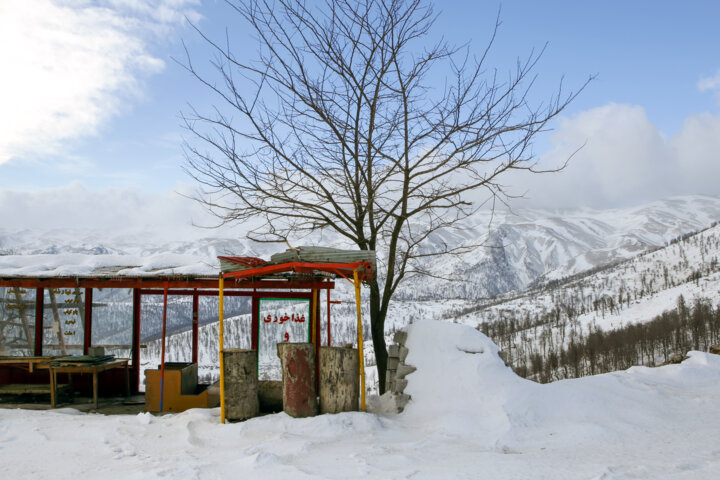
point(82, 265)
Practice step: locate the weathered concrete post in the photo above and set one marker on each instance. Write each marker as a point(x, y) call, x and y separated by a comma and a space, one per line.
point(298, 376)
point(339, 380)
point(241, 384)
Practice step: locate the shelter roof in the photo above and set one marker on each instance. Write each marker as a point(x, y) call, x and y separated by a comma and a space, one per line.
point(318, 261)
point(107, 266)
point(295, 265)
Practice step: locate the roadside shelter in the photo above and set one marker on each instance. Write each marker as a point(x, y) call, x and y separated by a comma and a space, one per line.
point(31, 329)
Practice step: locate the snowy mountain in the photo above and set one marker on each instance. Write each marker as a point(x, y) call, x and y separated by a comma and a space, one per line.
point(513, 249)
point(530, 245)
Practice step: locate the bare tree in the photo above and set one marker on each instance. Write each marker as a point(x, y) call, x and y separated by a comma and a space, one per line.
point(347, 122)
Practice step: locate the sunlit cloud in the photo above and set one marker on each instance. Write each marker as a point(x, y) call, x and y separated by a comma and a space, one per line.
point(711, 84)
point(70, 65)
point(625, 159)
point(112, 210)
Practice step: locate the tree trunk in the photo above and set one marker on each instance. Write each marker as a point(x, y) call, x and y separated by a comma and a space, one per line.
point(377, 327)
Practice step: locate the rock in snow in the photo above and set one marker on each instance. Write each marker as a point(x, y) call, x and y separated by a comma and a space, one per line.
point(470, 417)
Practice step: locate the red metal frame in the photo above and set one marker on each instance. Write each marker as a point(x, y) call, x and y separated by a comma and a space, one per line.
point(255, 325)
point(137, 303)
point(87, 340)
point(254, 295)
point(365, 270)
point(195, 286)
point(316, 340)
point(159, 282)
point(39, 314)
point(162, 354)
point(233, 293)
point(195, 325)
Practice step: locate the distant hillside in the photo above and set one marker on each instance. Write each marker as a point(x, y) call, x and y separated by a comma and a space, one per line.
point(557, 329)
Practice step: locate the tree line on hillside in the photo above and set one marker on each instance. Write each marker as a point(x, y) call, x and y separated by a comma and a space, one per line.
point(544, 354)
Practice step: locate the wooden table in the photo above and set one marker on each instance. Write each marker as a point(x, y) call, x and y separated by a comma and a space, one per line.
point(32, 362)
point(95, 369)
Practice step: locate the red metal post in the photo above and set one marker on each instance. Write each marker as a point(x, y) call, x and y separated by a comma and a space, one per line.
point(315, 308)
point(162, 354)
point(137, 302)
point(39, 314)
point(88, 320)
point(255, 327)
point(195, 326)
point(328, 316)
point(317, 325)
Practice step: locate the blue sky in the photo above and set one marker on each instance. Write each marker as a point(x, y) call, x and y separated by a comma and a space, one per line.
point(91, 94)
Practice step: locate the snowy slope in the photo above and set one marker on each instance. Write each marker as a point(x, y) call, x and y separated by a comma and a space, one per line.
point(561, 329)
point(634, 291)
point(481, 421)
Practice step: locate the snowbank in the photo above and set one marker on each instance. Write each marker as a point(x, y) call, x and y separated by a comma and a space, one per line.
point(470, 417)
point(76, 264)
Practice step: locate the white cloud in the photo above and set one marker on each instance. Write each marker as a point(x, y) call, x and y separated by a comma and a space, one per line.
point(68, 65)
point(709, 83)
point(113, 212)
point(626, 160)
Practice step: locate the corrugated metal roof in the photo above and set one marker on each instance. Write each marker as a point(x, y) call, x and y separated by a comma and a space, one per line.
point(323, 255)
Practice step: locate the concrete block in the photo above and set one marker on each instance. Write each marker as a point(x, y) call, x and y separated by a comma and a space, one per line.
point(339, 380)
point(298, 374)
point(399, 386)
point(403, 370)
point(392, 363)
point(393, 350)
point(401, 401)
point(402, 353)
point(400, 337)
point(241, 384)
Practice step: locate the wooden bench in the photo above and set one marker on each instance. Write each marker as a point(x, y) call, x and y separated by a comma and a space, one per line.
point(32, 389)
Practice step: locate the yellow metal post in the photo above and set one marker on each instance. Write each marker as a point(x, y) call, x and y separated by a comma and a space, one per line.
point(221, 285)
point(361, 356)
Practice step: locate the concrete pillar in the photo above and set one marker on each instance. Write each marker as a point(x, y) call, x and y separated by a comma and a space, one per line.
point(298, 376)
point(241, 384)
point(339, 380)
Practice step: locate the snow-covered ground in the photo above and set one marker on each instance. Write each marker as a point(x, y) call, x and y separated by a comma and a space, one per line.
point(470, 417)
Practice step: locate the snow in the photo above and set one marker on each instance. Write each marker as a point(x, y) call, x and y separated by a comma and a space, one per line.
point(470, 416)
point(655, 304)
point(76, 264)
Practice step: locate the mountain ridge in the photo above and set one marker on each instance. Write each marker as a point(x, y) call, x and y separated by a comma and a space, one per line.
point(517, 249)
